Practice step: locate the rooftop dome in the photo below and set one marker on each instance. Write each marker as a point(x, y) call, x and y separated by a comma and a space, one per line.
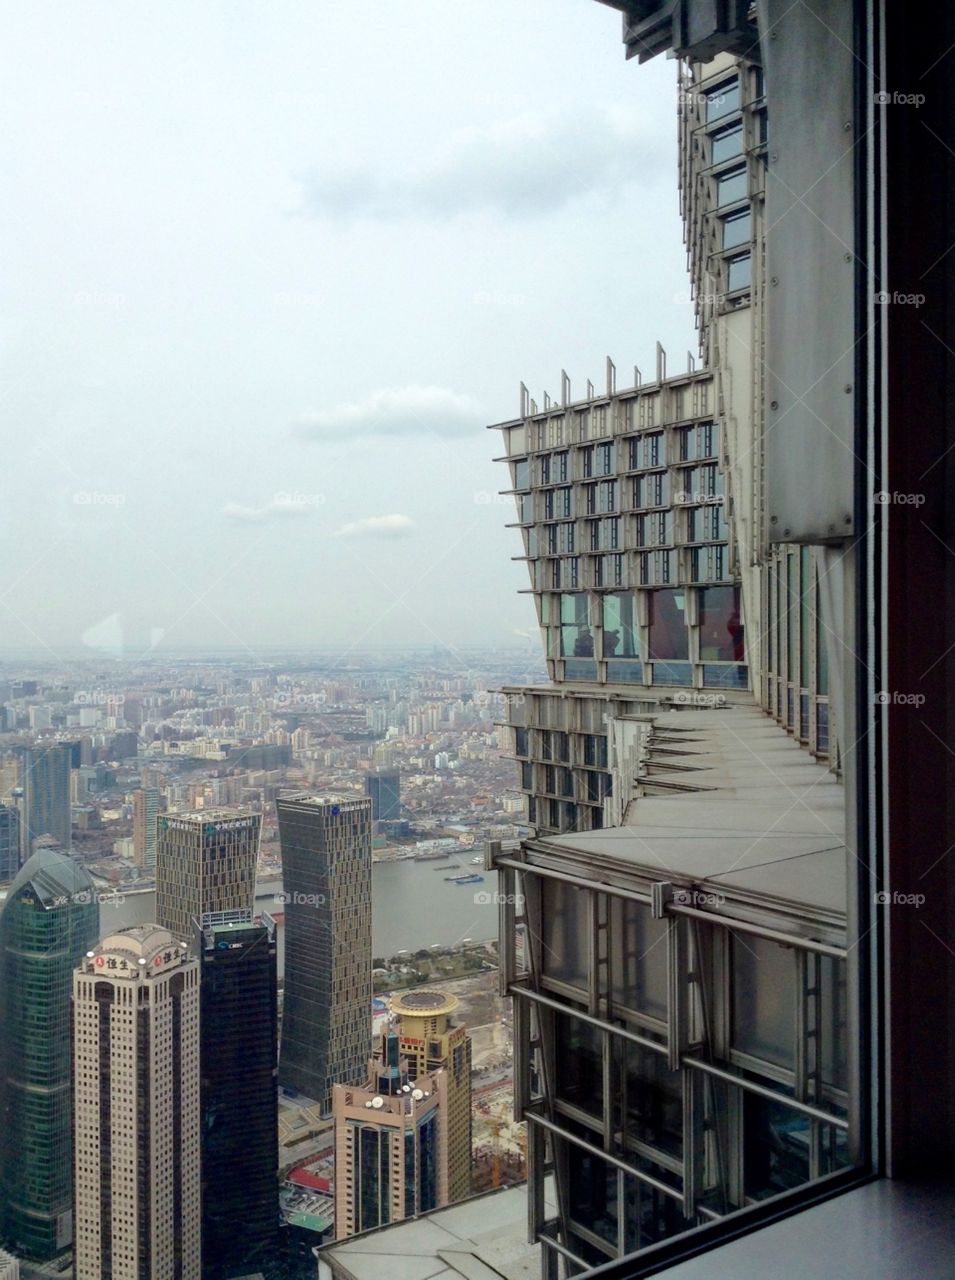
point(55, 878)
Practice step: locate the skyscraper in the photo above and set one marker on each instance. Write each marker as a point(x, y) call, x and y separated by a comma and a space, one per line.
point(205, 862)
point(9, 843)
point(145, 814)
point(326, 873)
point(391, 1144)
point(428, 1040)
point(49, 920)
point(383, 788)
point(136, 1073)
point(238, 1058)
point(46, 795)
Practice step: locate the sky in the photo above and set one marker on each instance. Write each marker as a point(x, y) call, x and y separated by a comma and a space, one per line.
point(269, 270)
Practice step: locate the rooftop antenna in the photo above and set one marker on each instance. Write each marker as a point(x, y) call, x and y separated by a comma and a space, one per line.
point(611, 377)
point(661, 364)
point(525, 400)
point(637, 376)
point(564, 388)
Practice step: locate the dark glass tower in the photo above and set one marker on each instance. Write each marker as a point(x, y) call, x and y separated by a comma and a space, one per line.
point(50, 920)
point(46, 795)
point(9, 843)
point(238, 1059)
point(326, 873)
point(384, 790)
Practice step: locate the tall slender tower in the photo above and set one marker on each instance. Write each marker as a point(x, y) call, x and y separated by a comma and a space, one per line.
point(9, 843)
point(205, 862)
point(145, 815)
point(46, 795)
point(430, 1042)
point(49, 920)
point(326, 872)
point(383, 787)
point(239, 1096)
point(136, 1074)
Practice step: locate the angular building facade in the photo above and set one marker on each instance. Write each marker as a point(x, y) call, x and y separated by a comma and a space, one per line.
point(429, 1042)
point(326, 874)
point(46, 795)
point(137, 1109)
point(383, 788)
point(9, 843)
point(391, 1144)
point(205, 862)
point(238, 1058)
point(676, 936)
point(49, 920)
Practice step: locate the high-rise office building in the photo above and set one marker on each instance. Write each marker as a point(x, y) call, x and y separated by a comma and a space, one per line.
point(205, 862)
point(238, 1058)
point(383, 788)
point(9, 1266)
point(46, 795)
point(677, 954)
point(430, 1042)
point(9, 842)
point(326, 874)
point(136, 1102)
point(50, 918)
point(391, 1144)
point(145, 815)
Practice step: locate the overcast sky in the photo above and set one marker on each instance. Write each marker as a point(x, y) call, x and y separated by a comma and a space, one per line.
point(270, 268)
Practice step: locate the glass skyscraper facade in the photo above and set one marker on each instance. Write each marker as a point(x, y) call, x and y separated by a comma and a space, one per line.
point(238, 1056)
point(46, 795)
point(9, 843)
point(383, 788)
point(326, 873)
point(48, 922)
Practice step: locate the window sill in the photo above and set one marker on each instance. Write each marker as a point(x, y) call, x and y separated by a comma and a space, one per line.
point(880, 1231)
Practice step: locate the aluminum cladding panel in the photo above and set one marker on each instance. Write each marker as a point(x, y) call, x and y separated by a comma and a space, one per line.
point(810, 269)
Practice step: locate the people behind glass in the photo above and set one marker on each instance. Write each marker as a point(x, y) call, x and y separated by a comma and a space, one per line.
point(584, 644)
point(611, 640)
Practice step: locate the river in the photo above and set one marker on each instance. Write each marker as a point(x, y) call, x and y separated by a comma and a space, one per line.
point(413, 906)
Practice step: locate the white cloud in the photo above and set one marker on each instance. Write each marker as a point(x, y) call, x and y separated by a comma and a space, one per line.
point(395, 411)
point(282, 505)
point(529, 165)
point(395, 526)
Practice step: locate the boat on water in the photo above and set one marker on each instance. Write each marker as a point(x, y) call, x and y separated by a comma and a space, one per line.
point(475, 862)
point(465, 879)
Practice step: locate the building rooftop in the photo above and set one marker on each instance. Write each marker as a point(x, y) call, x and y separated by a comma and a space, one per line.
point(423, 1004)
point(758, 817)
point(483, 1238)
point(54, 877)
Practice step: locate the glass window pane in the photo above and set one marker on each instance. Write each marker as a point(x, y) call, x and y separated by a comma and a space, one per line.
point(669, 638)
point(722, 100)
point(620, 636)
point(727, 143)
point(731, 187)
point(721, 625)
point(740, 273)
point(764, 999)
point(564, 949)
point(737, 229)
point(638, 959)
